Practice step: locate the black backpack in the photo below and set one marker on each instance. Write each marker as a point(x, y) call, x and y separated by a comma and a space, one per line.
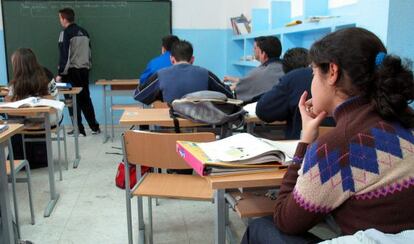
point(208, 107)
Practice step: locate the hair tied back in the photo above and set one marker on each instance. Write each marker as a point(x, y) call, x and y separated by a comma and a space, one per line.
point(379, 58)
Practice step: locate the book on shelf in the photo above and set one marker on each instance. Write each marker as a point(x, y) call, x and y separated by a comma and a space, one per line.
point(316, 19)
point(240, 25)
point(240, 153)
point(34, 102)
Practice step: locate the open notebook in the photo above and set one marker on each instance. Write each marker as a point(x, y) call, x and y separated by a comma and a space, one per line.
point(238, 153)
point(34, 102)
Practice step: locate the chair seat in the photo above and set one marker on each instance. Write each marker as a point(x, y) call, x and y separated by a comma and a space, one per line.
point(191, 187)
point(253, 204)
point(36, 130)
point(17, 164)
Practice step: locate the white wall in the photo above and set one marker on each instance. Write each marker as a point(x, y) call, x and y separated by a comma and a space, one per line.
point(212, 14)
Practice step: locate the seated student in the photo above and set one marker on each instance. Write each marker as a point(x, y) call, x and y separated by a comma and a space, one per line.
point(180, 79)
point(295, 58)
point(261, 79)
point(161, 61)
point(360, 173)
point(281, 102)
point(31, 79)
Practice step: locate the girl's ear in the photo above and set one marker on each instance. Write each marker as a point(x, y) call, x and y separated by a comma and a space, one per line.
point(333, 74)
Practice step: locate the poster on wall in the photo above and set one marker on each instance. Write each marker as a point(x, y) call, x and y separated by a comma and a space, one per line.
point(3, 66)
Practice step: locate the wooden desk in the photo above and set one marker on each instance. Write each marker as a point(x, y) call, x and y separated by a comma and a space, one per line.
point(117, 87)
point(221, 183)
point(251, 122)
point(161, 116)
point(153, 116)
point(74, 94)
point(46, 111)
point(7, 234)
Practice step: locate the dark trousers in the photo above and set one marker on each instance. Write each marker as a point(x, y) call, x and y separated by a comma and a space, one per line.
point(80, 78)
point(263, 231)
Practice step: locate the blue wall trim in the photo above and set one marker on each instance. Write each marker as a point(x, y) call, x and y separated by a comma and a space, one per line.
point(97, 100)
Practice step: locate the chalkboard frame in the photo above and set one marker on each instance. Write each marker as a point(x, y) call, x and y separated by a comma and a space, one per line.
point(94, 75)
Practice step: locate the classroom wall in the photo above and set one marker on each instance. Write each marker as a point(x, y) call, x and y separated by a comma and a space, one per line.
point(206, 24)
point(400, 32)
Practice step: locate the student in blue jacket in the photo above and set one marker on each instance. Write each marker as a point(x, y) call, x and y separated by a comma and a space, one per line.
point(281, 102)
point(180, 79)
point(161, 61)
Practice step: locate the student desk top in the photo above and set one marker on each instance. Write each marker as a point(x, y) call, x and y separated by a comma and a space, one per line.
point(50, 165)
point(152, 116)
point(7, 234)
point(161, 116)
point(73, 92)
point(117, 87)
point(121, 82)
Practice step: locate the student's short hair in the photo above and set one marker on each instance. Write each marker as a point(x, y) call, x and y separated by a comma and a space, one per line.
point(168, 41)
point(182, 50)
point(259, 39)
point(295, 58)
point(271, 46)
point(68, 14)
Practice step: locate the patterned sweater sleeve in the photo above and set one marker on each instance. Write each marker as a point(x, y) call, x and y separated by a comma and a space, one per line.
point(289, 215)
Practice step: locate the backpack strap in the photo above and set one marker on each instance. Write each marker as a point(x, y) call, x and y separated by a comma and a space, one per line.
point(175, 120)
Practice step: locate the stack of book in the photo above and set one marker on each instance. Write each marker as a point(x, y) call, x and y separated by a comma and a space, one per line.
point(240, 25)
point(63, 86)
point(241, 153)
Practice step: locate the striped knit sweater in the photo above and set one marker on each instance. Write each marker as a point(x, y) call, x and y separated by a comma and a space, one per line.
point(361, 172)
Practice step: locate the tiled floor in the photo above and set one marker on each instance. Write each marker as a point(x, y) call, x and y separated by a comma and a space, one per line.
point(92, 210)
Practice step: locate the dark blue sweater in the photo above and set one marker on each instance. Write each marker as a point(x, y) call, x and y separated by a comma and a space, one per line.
point(178, 80)
point(281, 103)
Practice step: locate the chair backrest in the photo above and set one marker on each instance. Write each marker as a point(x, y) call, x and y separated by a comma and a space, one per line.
point(159, 149)
point(159, 104)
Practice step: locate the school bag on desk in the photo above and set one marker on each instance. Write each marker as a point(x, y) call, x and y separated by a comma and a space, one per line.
point(208, 107)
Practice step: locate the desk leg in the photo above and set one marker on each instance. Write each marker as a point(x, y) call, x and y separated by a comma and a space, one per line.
point(50, 165)
point(220, 225)
point(105, 117)
point(7, 234)
point(76, 129)
point(141, 226)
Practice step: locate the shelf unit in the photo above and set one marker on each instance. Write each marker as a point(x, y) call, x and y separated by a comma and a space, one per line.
point(302, 35)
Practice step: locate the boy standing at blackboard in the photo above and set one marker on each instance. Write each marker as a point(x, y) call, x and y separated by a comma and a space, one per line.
point(74, 65)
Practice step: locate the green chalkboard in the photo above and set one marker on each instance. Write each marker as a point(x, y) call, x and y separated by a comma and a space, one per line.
point(124, 34)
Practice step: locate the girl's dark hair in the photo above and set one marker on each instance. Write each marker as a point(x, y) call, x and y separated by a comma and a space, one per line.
point(29, 78)
point(388, 84)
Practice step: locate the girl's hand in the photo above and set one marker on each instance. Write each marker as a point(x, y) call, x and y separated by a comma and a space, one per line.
point(310, 121)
